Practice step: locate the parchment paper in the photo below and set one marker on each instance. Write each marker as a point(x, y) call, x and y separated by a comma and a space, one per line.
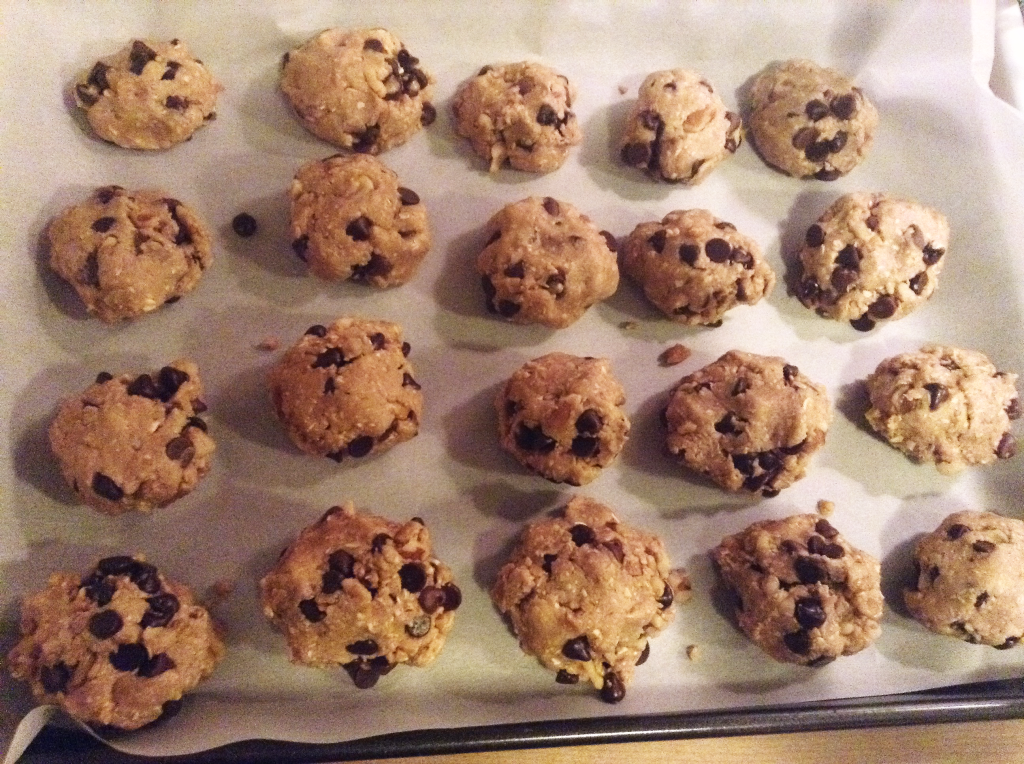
point(942, 139)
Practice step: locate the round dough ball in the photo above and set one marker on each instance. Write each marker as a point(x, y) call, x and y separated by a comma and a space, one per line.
point(359, 89)
point(117, 648)
point(970, 579)
point(561, 416)
point(347, 389)
point(695, 267)
point(546, 263)
point(352, 220)
point(129, 252)
point(871, 257)
point(520, 114)
point(586, 592)
point(679, 129)
point(133, 443)
point(810, 121)
point(944, 405)
point(362, 592)
point(148, 95)
point(804, 595)
point(747, 421)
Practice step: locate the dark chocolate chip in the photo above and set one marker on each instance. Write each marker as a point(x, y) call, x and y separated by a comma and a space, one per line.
point(844, 106)
point(103, 376)
point(810, 570)
point(789, 546)
point(589, 422)
point(145, 576)
point(311, 611)
point(862, 324)
point(884, 307)
point(244, 225)
point(408, 381)
point(798, 642)
point(546, 115)
point(937, 394)
point(534, 439)
point(919, 282)
point(105, 624)
point(818, 151)
point(363, 647)
point(1010, 642)
point(826, 529)
point(816, 109)
point(507, 308)
point(838, 142)
point(614, 689)
point(577, 649)
point(549, 560)
point(872, 222)
point(169, 381)
point(98, 78)
point(365, 141)
point(745, 463)
point(378, 340)
point(551, 206)
point(615, 547)
point(329, 357)
point(180, 449)
point(804, 137)
point(119, 565)
point(102, 225)
point(105, 195)
point(809, 612)
point(362, 675)
point(789, 373)
point(378, 543)
point(566, 677)
point(317, 330)
point(406, 348)
point(105, 487)
point(657, 240)
point(161, 610)
point(377, 266)
point(428, 115)
point(98, 589)
point(144, 386)
point(1007, 446)
point(849, 257)
point(585, 446)
point(718, 250)
point(981, 599)
point(359, 229)
point(983, 546)
point(956, 530)
point(431, 599)
point(156, 665)
point(129, 657)
point(140, 55)
point(176, 102)
point(689, 253)
point(582, 534)
point(828, 173)
point(330, 581)
point(374, 44)
point(342, 562)
point(636, 154)
point(170, 70)
point(413, 577)
point(728, 425)
point(452, 596)
point(644, 655)
point(55, 678)
point(667, 597)
point(418, 626)
point(933, 573)
point(300, 245)
point(408, 197)
point(931, 255)
point(1013, 408)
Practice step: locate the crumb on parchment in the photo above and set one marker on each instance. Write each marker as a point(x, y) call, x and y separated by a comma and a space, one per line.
point(627, 325)
point(826, 507)
point(693, 652)
point(673, 355)
point(268, 343)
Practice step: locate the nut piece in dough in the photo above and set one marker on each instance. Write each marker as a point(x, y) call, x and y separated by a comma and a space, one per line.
point(747, 421)
point(117, 648)
point(134, 442)
point(945, 405)
point(520, 114)
point(561, 416)
point(810, 121)
point(586, 592)
point(352, 220)
point(872, 257)
point(546, 263)
point(362, 592)
point(359, 89)
point(679, 129)
point(695, 267)
point(347, 390)
point(127, 253)
point(970, 579)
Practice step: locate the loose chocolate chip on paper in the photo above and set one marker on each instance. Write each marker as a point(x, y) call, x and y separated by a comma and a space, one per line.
point(244, 225)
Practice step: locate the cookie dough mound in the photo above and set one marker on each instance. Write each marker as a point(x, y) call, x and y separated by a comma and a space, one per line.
point(679, 129)
point(149, 95)
point(352, 220)
point(359, 89)
point(872, 257)
point(747, 421)
point(810, 121)
point(970, 579)
point(117, 648)
point(347, 389)
point(944, 405)
point(127, 253)
point(546, 263)
point(585, 593)
point(361, 592)
point(133, 443)
point(695, 267)
point(804, 594)
point(520, 114)
point(561, 416)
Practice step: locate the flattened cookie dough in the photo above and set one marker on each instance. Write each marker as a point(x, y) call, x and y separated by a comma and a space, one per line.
point(585, 593)
point(747, 421)
point(359, 89)
point(945, 405)
point(695, 267)
point(546, 263)
point(810, 121)
point(127, 253)
point(805, 595)
point(352, 220)
point(970, 579)
point(134, 442)
point(362, 592)
point(149, 95)
point(872, 257)
point(117, 648)
point(347, 390)
point(518, 113)
point(679, 129)
point(561, 416)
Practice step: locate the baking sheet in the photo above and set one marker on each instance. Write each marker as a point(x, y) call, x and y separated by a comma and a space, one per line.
point(942, 139)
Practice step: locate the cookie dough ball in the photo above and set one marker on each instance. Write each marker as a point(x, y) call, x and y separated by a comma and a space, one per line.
point(944, 405)
point(520, 114)
point(361, 592)
point(352, 220)
point(970, 579)
point(747, 421)
point(117, 648)
point(695, 267)
point(134, 442)
point(585, 593)
point(810, 121)
point(804, 595)
point(347, 389)
point(561, 416)
point(679, 128)
point(129, 252)
point(872, 257)
point(359, 89)
point(149, 95)
point(546, 263)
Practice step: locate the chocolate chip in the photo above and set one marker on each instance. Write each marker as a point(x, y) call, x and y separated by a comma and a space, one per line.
point(406, 348)
point(828, 173)
point(610, 241)
point(566, 677)
point(103, 376)
point(105, 195)
point(408, 381)
point(106, 487)
point(667, 597)
point(317, 330)
point(798, 642)
point(1010, 642)
point(534, 439)
point(745, 463)
point(329, 357)
point(577, 649)
point(330, 581)
point(956, 530)
point(170, 70)
point(300, 245)
point(342, 562)
point(555, 283)
point(144, 576)
point(244, 225)
point(363, 647)
point(176, 102)
point(359, 229)
point(363, 676)
point(818, 545)
point(818, 151)
point(937, 394)
point(809, 612)
point(378, 543)
point(884, 307)
point(919, 282)
point(804, 137)
point(844, 106)
point(98, 589)
point(549, 560)
point(657, 240)
point(589, 422)
point(1007, 446)
point(98, 78)
point(374, 44)
point(744, 258)
point(983, 546)
point(810, 571)
point(365, 141)
point(428, 115)
point(816, 110)
point(431, 599)
point(119, 565)
point(102, 225)
point(582, 534)
point(826, 529)
point(584, 446)
point(862, 324)
point(55, 678)
point(644, 655)
point(452, 596)
point(649, 119)
point(180, 449)
point(129, 657)
point(551, 206)
point(1013, 408)
point(931, 255)
point(728, 425)
point(140, 55)
point(156, 665)
point(408, 197)
point(849, 257)
point(311, 611)
point(838, 142)
point(161, 610)
point(613, 690)
point(789, 373)
point(546, 115)
point(981, 599)
point(872, 222)
point(789, 546)
point(933, 573)
point(507, 308)
point(689, 253)
point(377, 266)
point(144, 386)
point(105, 624)
point(418, 626)
point(636, 154)
point(413, 577)
point(718, 250)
